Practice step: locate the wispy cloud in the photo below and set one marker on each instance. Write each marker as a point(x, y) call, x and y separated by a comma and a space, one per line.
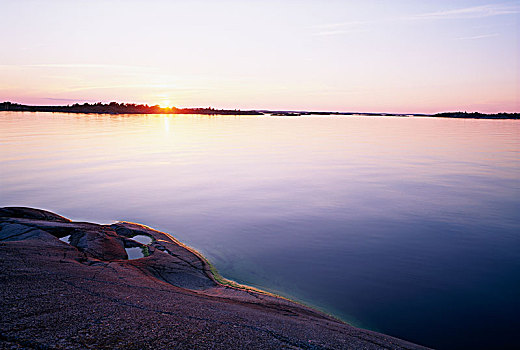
point(349, 24)
point(76, 65)
point(338, 32)
point(66, 99)
point(483, 36)
point(472, 12)
point(469, 12)
point(85, 65)
point(342, 28)
point(123, 86)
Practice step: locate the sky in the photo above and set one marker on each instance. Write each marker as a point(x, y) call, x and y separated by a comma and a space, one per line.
point(398, 56)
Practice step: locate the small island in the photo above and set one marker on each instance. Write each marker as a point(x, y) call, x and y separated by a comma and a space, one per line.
point(476, 115)
point(78, 285)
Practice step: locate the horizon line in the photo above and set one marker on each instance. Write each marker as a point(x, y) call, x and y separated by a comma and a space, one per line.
point(264, 110)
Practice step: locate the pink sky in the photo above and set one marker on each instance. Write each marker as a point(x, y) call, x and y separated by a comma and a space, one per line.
point(366, 56)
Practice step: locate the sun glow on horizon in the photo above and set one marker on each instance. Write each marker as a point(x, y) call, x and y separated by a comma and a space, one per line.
point(166, 104)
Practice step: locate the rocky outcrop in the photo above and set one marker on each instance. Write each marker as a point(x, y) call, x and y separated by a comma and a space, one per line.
point(87, 294)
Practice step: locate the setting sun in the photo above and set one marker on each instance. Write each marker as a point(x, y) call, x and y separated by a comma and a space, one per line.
point(165, 104)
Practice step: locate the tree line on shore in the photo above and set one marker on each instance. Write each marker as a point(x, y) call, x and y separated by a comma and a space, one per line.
point(119, 108)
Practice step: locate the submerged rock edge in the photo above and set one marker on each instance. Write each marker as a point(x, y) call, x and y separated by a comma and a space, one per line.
point(171, 267)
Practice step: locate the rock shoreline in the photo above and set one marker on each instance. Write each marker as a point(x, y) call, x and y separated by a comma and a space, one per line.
point(86, 294)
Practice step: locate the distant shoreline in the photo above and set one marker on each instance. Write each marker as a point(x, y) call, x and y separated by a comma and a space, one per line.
point(120, 108)
point(132, 108)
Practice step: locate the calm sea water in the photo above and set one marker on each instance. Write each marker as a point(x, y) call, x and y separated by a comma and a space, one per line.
point(408, 226)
